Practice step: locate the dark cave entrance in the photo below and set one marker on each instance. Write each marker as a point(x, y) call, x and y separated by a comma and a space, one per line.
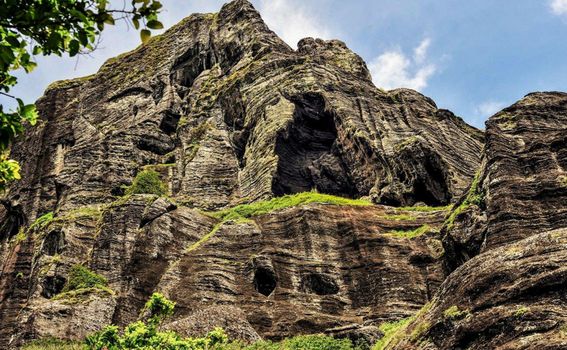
point(308, 154)
point(319, 284)
point(432, 189)
point(265, 281)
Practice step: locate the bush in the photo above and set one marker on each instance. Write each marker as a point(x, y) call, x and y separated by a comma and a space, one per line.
point(147, 182)
point(80, 277)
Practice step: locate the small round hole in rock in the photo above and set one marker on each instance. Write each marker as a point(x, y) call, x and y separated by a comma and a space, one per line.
point(264, 281)
point(319, 284)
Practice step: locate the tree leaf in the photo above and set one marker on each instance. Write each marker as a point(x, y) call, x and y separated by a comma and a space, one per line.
point(145, 34)
point(153, 24)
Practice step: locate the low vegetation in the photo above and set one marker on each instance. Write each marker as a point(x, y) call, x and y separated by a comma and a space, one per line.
point(454, 313)
point(147, 182)
point(474, 197)
point(288, 201)
point(147, 335)
point(409, 234)
point(424, 208)
point(82, 282)
point(394, 332)
point(53, 344)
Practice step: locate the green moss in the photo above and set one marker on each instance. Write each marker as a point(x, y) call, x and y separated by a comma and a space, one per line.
point(454, 312)
point(81, 277)
point(521, 311)
point(562, 181)
point(147, 182)
point(205, 238)
point(400, 217)
point(474, 197)
point(41, 222)
point(423, 208)
point(53, 344)
point(264, 207)
point(63, 84)
point(20, 236)
point(394, 332)
point(81, 295)
point(410, 233)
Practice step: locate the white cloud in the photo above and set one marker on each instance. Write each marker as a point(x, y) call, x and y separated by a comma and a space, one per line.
point(489, 108)
point(291, 21)
point(559, 7)
point(393, 69)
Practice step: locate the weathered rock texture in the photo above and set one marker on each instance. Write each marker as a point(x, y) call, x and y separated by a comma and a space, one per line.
point(510, 242)
point(227, 113)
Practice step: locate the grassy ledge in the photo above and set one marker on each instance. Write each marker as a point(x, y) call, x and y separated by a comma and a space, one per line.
point(394, 332)
point(410, 233)
point(288, 201)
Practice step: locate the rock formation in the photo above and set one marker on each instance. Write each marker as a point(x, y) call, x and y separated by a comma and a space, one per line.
point(228, 114)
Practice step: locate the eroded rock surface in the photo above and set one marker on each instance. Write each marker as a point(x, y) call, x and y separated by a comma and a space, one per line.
point(227, 113)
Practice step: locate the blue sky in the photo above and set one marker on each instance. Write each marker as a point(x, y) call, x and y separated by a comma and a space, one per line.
point(473, 57)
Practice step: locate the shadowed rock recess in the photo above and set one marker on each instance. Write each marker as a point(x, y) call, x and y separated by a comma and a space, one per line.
point(395, 210)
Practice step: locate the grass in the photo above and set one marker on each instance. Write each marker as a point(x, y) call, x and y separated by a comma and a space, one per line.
point(81, 277)
point(288, 201)
point(394, 332)
point(521, 311)
point(409, 234)
point(400, 217)
point(53, 344)
point(77, 296)
point(42, 221)
point(423, 208)
point(147, 182)
point(474, 197)
point(454, 312)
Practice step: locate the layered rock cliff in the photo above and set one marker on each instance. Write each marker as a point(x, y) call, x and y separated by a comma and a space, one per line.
point(228, 114)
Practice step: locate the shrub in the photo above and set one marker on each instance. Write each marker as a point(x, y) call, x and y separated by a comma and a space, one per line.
point(80, 277)
point(159, 308)
point(147, 182)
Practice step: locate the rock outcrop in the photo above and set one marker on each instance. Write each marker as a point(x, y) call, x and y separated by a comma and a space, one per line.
point(228, 114)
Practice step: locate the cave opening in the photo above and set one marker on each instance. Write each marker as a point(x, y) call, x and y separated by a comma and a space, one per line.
point(53, 243)
point(319, 284)
point(308, 155)
point(432, 189)
point(265, 280)
point(52, 285)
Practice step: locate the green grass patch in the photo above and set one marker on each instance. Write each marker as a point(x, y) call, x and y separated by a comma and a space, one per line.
point(474, 197)
point(394, 332)
point(42, 221)
point(147, 182)
point(81, 277)
point(288, 201)
point(409, 234)
point(423, 208)
point(521, 311)
point(400, 217)
point(453, 313)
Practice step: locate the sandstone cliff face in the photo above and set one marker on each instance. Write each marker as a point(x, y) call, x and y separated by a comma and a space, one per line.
point(227, 113)
point(509, 235)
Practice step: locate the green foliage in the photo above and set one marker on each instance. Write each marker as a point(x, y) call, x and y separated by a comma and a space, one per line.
point(400, 217)
point(52, 27)
point(474, 197)
point(80, 277)
point(264, 207)
point(159, 308)
point(390, 329)
point(42, 222)
point(424, 208)
point(394, 332)
point(521, 311)
point(410, 233)
point(453, 313)
point(53, 344)
point(147, 182)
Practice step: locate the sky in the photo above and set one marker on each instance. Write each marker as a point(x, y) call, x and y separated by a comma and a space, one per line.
point(472, 57)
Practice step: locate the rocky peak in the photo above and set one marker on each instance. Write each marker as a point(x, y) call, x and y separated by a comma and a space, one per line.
point(230, 118)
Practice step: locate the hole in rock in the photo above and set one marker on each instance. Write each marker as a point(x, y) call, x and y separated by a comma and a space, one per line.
point(319, 284)
point(431, 188)
point(53, 243)
point(52, 285)
point(308, 155)
point(265, 280)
